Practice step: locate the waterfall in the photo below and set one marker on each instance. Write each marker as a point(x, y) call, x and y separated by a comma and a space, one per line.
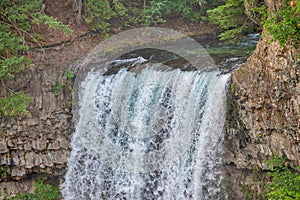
point(152, 134)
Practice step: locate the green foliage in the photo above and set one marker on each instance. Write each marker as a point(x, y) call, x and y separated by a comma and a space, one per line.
point(11, 61)
point(232, 20)
point(157, 11)
point(3, 172)
point(248, 193)
point(15, 104)
point(233, 87)
point(153, 14)
point(284, 25)
point(66, 84)
point(100, 13)
point(205, 5)
point(51, 22)
point(20, 15)
point(42, 192)
point(226, 15)
point(260, 135)
point(17, 18)
point(192, 10)
point(285, 183)
point(233, 35)
point(58, 87)
point(70, 75)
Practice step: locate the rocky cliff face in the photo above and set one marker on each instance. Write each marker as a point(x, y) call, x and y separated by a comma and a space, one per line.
point(263, 117)
point(267, 93)
point(37, 144)
point(263, 110)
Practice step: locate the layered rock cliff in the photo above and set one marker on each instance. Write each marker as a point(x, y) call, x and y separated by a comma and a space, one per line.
point(263, 111)
point(37, 144)
point(267, 93)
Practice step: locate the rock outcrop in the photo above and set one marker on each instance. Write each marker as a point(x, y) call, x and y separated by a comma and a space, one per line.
point(263, 111)
point(37, 144)
point(267, 95)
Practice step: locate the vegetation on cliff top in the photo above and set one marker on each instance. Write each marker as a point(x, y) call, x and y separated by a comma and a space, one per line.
point(17, 21)
point(237, 17)
point(19, 18)
point(233, 20)
point(151, 12)
point(284, 25)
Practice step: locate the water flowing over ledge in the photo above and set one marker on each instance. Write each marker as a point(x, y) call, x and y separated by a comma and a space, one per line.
point(157, 134)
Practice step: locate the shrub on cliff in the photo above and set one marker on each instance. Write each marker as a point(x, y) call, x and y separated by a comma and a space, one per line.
point(42, 191)
point(285, 183)
point(236, 18)
point(17, 17)
point(284, 24)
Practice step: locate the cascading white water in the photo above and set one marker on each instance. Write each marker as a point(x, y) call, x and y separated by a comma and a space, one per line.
point(152, 135)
